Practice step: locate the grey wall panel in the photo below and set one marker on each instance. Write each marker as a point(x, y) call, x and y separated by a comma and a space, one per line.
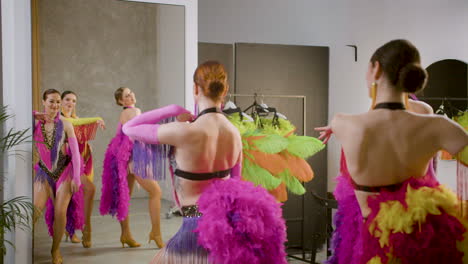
point(291, 70)
point(222, 53)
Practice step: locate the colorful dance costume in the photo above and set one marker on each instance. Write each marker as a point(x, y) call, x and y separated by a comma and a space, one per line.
point(59, 162)
point(462, 169)
point(120, 154)
point(85, 130)
point(232, 222)
point(274, 156)
point(412, 222)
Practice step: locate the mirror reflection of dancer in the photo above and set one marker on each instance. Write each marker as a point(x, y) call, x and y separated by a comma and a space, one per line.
point(57, 181)
point(403, 213)
point(225, 220)
point(118, 178)
point(85, 129)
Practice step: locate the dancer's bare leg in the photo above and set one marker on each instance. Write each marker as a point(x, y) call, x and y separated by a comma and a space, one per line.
point(89, 190)
point(62, 200)
point(154, 206)
point(126, 236)
point(42, 192)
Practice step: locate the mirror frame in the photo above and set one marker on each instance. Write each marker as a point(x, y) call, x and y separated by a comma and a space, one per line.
point(16, 86)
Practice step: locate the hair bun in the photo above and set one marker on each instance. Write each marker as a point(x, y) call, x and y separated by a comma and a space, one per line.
point(412, 78)
point(215, 89)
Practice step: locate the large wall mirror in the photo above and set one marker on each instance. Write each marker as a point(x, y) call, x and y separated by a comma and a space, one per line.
point(448, 80)
point(92, 48)
point(447, 93)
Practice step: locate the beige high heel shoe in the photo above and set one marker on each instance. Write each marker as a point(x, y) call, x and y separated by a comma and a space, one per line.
point(57, 257)
point(86, 239)
point(74, 239)
point(129, 241)
point(157, 239)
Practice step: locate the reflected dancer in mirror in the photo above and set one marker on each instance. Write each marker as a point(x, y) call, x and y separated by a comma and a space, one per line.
point(57, 180)
point(85, 130)
point(118, 176)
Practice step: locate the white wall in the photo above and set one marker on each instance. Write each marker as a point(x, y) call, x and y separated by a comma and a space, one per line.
point(17, 82)
point(438, 28)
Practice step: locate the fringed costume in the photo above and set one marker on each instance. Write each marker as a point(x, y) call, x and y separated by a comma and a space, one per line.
point(56, 166)
point(462, 170)
point(123, 156)
point(85, 130)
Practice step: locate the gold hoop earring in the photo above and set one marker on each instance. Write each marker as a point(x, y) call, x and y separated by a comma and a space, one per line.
point(407, 106)
point(373, 94)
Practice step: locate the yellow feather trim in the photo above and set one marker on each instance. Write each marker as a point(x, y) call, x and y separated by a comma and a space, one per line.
point(83, 121)
point(393, 217)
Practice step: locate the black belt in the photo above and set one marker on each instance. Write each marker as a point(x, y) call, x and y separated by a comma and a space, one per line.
point(376, 189)
point(202, 176)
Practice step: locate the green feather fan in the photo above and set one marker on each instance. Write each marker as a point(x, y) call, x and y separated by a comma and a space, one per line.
point(242, 125)
point(284, 126)
point(272, 144)
point(259, 176)
point(304, 147)
point(293, 184)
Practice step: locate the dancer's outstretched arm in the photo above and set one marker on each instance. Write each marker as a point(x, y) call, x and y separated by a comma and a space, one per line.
point(144, 127)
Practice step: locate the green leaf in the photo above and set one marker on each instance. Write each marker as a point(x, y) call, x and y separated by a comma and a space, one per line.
point(12, 138)
point(303, 146)
point(259, 176)
point(16, 213)
point(293, 184)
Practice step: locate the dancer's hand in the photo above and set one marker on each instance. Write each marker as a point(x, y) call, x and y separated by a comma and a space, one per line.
point(101, 124)
point(185, 117)
point(74, 186)
point(325, 133)
point(41, 116)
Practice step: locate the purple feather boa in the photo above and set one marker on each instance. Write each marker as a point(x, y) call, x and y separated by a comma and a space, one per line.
point(115, 198)
point(348, 223)
point(241, 223)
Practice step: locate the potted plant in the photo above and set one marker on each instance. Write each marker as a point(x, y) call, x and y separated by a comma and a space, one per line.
point(15, 213)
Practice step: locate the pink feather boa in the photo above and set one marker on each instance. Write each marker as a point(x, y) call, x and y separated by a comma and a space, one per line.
point(241, 223)
point(115, 197)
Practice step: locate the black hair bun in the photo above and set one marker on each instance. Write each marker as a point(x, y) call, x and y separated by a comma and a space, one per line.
point(412, 78)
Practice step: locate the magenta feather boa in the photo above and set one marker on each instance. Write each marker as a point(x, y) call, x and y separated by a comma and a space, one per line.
point(115, 197)
point(241, 223)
